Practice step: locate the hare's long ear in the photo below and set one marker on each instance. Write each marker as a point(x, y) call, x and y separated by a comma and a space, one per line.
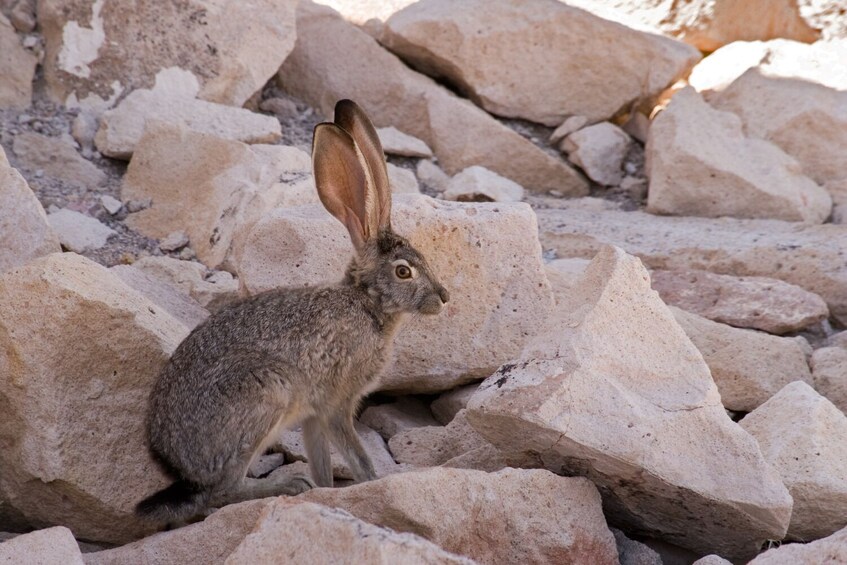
point(350, 117)
point(341, 180)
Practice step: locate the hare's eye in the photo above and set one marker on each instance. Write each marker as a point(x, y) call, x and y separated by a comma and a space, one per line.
point(403, 272)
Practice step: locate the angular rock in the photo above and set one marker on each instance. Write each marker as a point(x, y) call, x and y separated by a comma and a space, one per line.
point(431, 446)
point(632, 552)
point(432, 176)
point(459, 133)
point(211, 291)
point(759, 303)
point(765, 248)
point(569, 126)
point(748, 366)
point(563, 274)
point(599, 150)
point(168, 297)
point(310, 533)
point(402, 181)
point(25, 232)
point(804, 437)
point(448, 404)
point(832, 549)
point(207, 186)
point(478, 184)
point(172, 100)
point(233, 48)
point(512, 516)
point(392, 418)
point(829, 374)
point(79, 363)
point(536, 60)
point(712, 560)
point(395, 142)
point(486, 255)
point(700, 163)
point(174, 241)
point(78, 232)
point(17, 69)
point(58, 159)
point(659, 458)
point(111, 204)
point(51, 546)
point(266, 464)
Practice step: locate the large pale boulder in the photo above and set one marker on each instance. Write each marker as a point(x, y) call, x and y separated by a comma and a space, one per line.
point(700, 163)
point(486, 255)
point(766, 248)
point(17, 68)
point(173, 100)
point(832, 549)
point(104, 48)
point(211, 289)
point(78, 232)
point(168, 297)
point(804, 436)
point(748, 366)
point(77, 366)
point(537, 60)
point(208, 186)
point(24, 230)
point(460, 134)
point(829, 374)
point(759, 303)
point(659, 455)
point(51, 546)
point(511, 516)
point(57, 158)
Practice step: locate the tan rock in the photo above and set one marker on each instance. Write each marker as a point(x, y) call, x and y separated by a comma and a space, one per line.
point(832, 549)
point(210, 290)
point(431, 446)
point(56, 158)
point(512, 516)
point(172, 100)
point(233, 48)
point(486, 255)
point(478, 184)
point(563, 274)
point(700, 163)
point(25, 232)
point(765, 248)
point(207, 186)
point(759, 303)
point(569, 126)
point(571, 63)
point(51, 546)
point(838, 191)
point(748, 366)
point(310, 533)
point(829, 374)
point(459, 133)
point(17, 68)
point(405, 413)
point(804, 437)
point(168, 297)
point(432, 176)
point(402, 181)
point(659, 457)
point(80, 362)
point(632, 552)
point(448, 404)
point(599, 150)
point(78, 232)
point(395, 142)
point(712, 560)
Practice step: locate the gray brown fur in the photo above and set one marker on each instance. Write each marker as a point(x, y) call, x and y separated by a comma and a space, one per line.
point(290, 356)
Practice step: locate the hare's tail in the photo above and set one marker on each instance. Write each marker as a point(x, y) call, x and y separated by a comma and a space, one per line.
point(180, 501)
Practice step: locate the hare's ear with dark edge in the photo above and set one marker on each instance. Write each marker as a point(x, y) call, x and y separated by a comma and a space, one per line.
point(350, 117)
point(341, 180)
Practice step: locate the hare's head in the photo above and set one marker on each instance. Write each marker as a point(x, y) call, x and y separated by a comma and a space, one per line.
point(352, 182)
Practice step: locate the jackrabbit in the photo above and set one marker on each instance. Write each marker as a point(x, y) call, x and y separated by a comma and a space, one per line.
point(292, 356)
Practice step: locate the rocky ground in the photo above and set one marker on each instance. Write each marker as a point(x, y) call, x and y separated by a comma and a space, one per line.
point(637, 208)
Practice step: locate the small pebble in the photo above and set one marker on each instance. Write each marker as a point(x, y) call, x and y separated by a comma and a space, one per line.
point(138, 205)
point(39, 173)
point(187, 254)
point(111, 204)
point(174, 241)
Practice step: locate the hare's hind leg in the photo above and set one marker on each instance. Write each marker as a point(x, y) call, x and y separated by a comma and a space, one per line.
point(343, 436)
point(317, 450)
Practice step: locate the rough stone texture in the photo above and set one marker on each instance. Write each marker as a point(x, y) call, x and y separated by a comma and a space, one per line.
point(569, 126)
point(104, 48)
point(78, 232)
point(712, 560)
point(631, 552)
point(432, 176)
point(168, 297)
point(512, 516)
point(832, 549)
point(486, 255)
point(172, 100)
point(660, 458)
point(759, 303)
point(403, 414)
point(599, 150)
point(73, 422)
point(766, 248)
point(207, 186)
point(537, 60)
point(25, 232)
point(748, 366)
point(57, 158)
point(211, 290)
point(460, 134)
point(52, 546)
point(304, 532)
point(804, 437)
point(478, 184)
point(829, 374)
point(17, 68)
point(402, 181)
point(447, 405)
point(395, 142)
point(838, 191)
point(700, 163)
point(431, 446)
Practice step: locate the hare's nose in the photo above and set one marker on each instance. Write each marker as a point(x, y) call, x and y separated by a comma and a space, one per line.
point(443, 294)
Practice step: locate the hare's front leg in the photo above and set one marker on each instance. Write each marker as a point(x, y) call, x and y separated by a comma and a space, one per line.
point(317, 450)
point(343, 436)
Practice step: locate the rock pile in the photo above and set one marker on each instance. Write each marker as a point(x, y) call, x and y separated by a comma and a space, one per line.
point(650, 374)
